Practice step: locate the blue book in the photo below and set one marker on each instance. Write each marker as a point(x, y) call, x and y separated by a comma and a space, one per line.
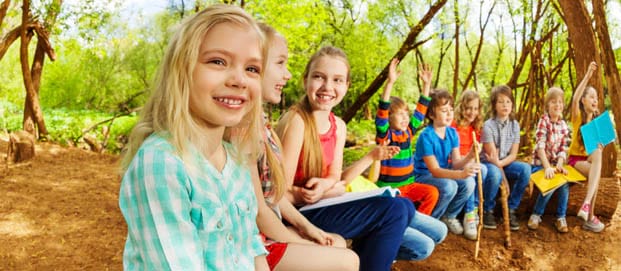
point(598, 131)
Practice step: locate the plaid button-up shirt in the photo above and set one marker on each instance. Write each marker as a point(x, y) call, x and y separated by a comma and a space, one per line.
point(180, 219)
point(553, 138)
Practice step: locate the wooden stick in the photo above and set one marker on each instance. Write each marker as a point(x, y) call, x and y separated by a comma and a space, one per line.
point(480, 189)
point(504, 196)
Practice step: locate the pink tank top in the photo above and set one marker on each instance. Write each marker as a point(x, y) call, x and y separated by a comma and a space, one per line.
point(328, 144)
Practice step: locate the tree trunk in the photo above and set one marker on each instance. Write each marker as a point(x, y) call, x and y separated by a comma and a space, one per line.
point(583, 39)
point(613, 82)
point(608, 196)
point(409, 44)
point(456, 67)
point(32, 99)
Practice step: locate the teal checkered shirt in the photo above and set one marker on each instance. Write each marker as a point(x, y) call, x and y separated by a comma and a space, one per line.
point(182, 221)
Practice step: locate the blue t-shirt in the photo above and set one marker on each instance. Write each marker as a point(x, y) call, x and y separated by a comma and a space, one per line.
point(429, 143)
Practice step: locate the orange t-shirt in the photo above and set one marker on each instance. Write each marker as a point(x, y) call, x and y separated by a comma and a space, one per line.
point(465, 137)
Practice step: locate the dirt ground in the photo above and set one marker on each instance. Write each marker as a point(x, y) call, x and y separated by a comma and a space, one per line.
point(60, 212)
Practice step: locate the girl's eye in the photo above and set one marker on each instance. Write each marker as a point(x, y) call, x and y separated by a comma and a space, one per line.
point(253, 69)
point(216, 61)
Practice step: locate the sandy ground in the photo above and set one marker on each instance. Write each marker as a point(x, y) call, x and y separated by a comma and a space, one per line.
point(60, 212)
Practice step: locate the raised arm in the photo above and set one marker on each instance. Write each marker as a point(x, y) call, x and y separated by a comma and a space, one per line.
point(393, 74)
point(425, 74)
point(575, 102)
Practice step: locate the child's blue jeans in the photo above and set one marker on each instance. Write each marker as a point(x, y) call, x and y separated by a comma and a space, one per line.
point(562, 195)
point(421, 237)
point(491, 183)
point(453, 194)
point(516, 172)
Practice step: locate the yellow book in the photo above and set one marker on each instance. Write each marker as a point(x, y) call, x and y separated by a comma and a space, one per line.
point(547, 186)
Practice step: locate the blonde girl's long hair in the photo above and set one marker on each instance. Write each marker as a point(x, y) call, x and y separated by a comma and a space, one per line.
point(277, 172)
point(167, 110)
point(312, 160)
point(467, 97)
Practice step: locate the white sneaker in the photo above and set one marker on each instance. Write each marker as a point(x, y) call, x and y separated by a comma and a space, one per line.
point(470, 225)
point(453, 225)
point(533, 221)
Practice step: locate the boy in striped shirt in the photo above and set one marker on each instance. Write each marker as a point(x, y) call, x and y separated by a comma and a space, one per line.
point(395, 126)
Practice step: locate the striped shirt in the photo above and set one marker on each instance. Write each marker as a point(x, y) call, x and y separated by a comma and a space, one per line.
point(177, 220)
point(398, 171)
point(553, 138)
point(502, 133)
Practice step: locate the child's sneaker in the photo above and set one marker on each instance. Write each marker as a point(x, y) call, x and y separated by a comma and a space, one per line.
point(470, 225)
point(533, 221)
point(489, 221)
point(593, 225)
point(453, 225)
point(513, 221)
point(584, 211)
point(561, 225)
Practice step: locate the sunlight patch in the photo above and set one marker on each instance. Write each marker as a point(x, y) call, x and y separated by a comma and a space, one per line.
point(16, 224)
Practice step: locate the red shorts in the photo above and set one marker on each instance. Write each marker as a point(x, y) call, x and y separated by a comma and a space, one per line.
point(275, 252)
point(573, 159)
point(424, 196)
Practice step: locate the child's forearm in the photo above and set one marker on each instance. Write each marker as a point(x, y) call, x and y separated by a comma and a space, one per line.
point(387, 91)
point(541, 153)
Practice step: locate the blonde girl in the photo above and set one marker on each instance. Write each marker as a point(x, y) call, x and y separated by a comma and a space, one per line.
point(313, 139)
point(469, 120)
point(288, 247)
point(186, 192)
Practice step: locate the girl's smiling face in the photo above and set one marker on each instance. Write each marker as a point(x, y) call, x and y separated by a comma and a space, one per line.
point(589, 100)
point(226, 80)
point(326, 83)
point(471, 110)
point(276, 74)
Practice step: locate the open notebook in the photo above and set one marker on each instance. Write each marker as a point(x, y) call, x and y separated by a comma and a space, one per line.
point(547, 186)
point(352, 196)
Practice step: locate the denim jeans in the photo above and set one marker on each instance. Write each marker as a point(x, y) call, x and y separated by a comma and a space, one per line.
point(491, 183)
point(562, 195)
point(421, 237)
point(375, 224)
point(516, 172)
point(453, 194)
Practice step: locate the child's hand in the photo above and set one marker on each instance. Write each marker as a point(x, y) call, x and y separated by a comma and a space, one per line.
point(425, 73)
point(549, 172)
point(592, 67)
point(493, 158)
point(472, 169)
point(314, 190)
point(393, 73)
point(560, 168)
point(383, 151)
point(317, 235)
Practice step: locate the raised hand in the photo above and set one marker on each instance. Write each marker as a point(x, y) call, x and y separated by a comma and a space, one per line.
point(393, 73)
point(425, 74)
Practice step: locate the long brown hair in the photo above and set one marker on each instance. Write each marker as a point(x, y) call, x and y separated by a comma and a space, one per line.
point(466, 97)
point(312, 164)
point(496, 92)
